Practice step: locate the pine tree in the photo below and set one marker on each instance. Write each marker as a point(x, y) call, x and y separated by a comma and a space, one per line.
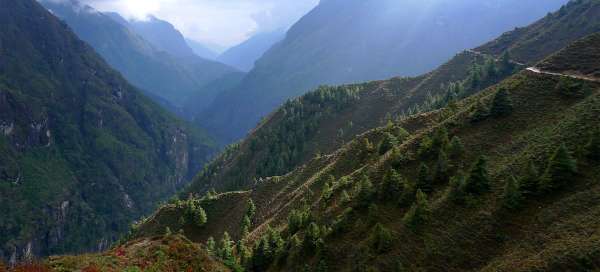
point(327, 191)
point(530, 181)
point(418, 213)
point(211, 246)
point(246, 224)
point(480, 113)
point(456, 150)
point(408, 193)
point(562, 168)
point(381, 238)
point(502, 104)
point(388, 142)
point(424, 182)
point(440, 140)
point(478, 181)
point(345, 197)
point(226, 247)
point(592, 149)
point(442, 168)
point(507, 66)
point(365, 194)
point(251, 208)
point(512, 197)
point(200, 217)
point(391, 188)
point(456, 191)
point(313, 234)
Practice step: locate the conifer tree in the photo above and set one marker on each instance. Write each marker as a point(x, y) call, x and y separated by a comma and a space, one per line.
point(424, 182)
point(251, 208)
point(507, 66)
point(313, 234)
point(408, 193)
point(456, 191)
point(388, 142)
point(345, 197)
point(246, 223)
point(502, 104)
point(478, 181)
point(226, 247)
point(512, 197)
point(381, 238)
point(440, 140)
point(365, 194)
point(456, 149)
point(480, 113)
point(418, 213)
point(211, 246)
point(529, 183)
point(562, 168)
point(442, 168)
point(391, 187)
point(327, 191)
point(592, 149)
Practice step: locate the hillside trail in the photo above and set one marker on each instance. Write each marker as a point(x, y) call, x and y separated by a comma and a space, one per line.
point(537, 70)
point(540, 71)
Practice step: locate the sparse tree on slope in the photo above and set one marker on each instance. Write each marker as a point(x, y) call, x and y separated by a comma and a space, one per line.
point(418, 213)
point(502, 104)
point(478, 181)
point(562, 168)
point(512, 197)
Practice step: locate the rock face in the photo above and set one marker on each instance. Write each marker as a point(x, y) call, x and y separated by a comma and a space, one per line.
point(82, 152)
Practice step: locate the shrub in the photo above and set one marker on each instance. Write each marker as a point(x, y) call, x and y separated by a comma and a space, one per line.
point(561, 169)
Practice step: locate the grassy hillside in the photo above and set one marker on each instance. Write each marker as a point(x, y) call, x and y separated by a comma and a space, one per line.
point(304, 127)
point(82, 152)
point(533, 43)
point(504, 180)
point(170, 253)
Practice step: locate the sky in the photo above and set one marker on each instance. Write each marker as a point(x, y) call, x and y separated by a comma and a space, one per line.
point(218, 23)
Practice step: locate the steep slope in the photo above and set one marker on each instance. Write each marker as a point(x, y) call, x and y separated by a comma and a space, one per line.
point(171, 77)
point(201, 50)
point(457, 193)
point(162, 35)
point(82, 152)
point(351, 41)
point(243, 55)
point(531, 44)
point(170, 253)
point(315, 124)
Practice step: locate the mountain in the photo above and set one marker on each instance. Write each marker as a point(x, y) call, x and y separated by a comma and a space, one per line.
point(173, 78)
point(162, 35)
point(202, 51)
point(82, 152)
point(504, 180)
point(484, 164)
point(302, 128)
point(352, 41)
point(243, 55)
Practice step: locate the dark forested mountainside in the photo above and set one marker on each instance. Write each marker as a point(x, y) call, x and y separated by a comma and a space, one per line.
point(172, 77)
point(344, 41)
point(82, 152)
point(315, 124)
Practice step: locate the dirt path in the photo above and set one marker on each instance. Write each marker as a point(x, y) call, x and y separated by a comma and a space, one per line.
point(539, 71)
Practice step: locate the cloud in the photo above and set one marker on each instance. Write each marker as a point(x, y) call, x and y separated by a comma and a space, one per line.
point(221, 22)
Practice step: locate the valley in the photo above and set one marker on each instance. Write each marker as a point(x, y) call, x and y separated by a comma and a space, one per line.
point(367, 136)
